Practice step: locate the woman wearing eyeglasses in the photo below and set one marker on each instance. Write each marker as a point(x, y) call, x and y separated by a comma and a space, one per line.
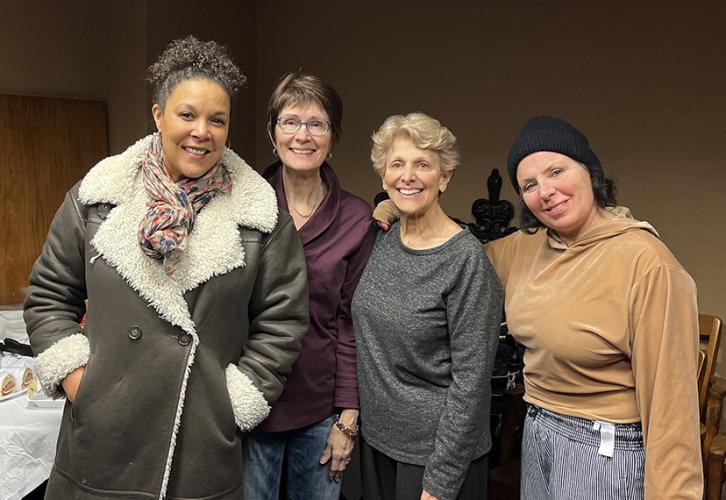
point(310, 433)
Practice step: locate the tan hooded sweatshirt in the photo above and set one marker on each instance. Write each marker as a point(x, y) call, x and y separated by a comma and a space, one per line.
point(610, 326)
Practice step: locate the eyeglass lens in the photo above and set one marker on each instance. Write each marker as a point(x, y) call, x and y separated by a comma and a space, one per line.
point(291, 124)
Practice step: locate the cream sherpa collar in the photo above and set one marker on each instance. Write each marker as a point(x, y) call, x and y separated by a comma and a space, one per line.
point(214, 246)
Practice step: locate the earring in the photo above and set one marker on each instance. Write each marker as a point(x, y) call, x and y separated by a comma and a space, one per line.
point(329, 156)
point(274, 152)
point(229, 144)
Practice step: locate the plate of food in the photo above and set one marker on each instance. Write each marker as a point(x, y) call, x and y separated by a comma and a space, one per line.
point(9, 388)
point(17, 377)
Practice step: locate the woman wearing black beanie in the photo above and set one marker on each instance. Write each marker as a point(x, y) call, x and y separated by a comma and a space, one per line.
point(609, 321)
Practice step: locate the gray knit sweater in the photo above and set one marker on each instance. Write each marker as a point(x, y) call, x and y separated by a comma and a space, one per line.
point(426, 325)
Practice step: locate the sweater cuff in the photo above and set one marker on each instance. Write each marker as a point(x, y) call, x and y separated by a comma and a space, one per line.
point(249, 405)
point(441, 484)
point(60, 359)
point(347, 400)
point(437, 491)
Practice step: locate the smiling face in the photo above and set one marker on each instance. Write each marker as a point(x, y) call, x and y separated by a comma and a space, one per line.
point(301, 151)
point(194, 126)
point(413, 177)
point(558, 191)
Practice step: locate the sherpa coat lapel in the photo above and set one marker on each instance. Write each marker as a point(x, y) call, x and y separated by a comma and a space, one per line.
point(214, 246)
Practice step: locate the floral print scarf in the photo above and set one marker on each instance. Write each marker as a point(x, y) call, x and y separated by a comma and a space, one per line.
point(165, 229)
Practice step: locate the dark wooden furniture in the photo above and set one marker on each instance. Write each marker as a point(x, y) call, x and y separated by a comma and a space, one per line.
point(47, 145)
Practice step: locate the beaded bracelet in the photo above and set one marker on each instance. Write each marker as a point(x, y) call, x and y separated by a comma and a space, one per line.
point(351, 433)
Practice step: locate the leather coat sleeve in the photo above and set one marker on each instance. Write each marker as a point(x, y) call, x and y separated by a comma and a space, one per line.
point(54, 300)
point(279, 315)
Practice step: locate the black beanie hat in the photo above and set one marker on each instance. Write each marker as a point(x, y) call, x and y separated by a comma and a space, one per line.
point(549, 133)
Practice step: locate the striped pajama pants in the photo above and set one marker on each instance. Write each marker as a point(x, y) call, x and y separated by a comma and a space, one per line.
point(561, 459)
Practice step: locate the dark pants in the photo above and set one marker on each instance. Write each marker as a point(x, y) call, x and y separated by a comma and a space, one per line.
point(384, 478)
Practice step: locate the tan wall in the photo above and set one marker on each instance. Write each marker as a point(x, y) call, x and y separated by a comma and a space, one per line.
point(646, 85)
point(54, 50)
point(82, 49)
point(100, 50)
point(126, 93)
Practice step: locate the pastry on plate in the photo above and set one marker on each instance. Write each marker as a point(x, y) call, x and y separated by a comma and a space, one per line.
point(8, 385)
point(29, 382)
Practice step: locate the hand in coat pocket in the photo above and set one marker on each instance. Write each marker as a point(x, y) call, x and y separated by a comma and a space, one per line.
point(71, 383)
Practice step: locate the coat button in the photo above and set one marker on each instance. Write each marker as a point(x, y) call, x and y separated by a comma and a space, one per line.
point(103, 210)
point(184, 339)
point(135, 333)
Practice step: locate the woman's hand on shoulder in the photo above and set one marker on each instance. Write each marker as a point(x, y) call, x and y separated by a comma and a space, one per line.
point(385, 214)
point(71, 382)
point(340, 446)
point(425, 495)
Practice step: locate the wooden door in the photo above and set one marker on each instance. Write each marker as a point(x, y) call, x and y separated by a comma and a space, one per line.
point(46, 145)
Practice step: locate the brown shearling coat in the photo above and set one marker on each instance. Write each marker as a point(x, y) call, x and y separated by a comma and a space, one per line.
point(176, 368)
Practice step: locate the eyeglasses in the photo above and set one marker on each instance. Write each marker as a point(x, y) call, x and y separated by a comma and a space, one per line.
point(291, 124)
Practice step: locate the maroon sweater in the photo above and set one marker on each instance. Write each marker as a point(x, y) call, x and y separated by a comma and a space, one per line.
point(337, 241)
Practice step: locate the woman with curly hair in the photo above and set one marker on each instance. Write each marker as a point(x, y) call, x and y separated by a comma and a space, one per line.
point(198, 293)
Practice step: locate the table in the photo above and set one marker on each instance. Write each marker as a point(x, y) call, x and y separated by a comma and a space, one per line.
point(28, 434)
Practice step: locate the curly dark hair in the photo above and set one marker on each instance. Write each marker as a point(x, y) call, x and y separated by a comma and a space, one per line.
point(189, 58)
point(603, 189)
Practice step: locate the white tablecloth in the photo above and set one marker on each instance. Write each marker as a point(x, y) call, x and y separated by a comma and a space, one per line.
point(12, 325)
point(28, 436)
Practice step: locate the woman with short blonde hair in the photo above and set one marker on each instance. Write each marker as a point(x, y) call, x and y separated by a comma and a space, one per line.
point(427, 313)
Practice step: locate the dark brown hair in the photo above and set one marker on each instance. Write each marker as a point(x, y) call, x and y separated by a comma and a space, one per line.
point(297, 88)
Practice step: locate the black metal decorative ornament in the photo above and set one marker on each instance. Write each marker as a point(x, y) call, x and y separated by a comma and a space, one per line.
point(492, 216)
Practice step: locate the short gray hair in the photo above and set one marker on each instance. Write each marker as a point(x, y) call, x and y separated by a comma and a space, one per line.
point(424, 131)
